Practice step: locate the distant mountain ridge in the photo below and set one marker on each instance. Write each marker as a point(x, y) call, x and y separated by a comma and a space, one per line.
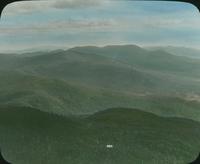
point(179, 51)
point(88, 79)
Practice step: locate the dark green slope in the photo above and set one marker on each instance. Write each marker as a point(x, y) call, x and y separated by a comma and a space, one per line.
point(61, 97)
point(90, 70)
point(30, 136)
point(85, 80)
point(57, 96)
point(8, 61)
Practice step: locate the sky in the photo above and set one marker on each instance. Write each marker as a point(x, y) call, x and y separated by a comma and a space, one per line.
point(68, 23)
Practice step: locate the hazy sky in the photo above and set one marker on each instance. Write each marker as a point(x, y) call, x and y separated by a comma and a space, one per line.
point(68, 23)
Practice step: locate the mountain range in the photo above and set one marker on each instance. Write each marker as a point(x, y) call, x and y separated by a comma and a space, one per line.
point(65, 106)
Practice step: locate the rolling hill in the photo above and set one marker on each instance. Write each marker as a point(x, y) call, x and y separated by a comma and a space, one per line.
point(55, 96)
point(156, 60)
point(84, 80)
point(31, 136)
point(52, 106)
point(116, 67)
point(65, 98)
point(179, 51)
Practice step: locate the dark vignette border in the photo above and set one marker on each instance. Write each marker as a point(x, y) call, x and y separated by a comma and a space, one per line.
point(196, 3)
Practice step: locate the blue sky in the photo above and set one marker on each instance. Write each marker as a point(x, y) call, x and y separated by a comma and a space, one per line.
point(69, 23)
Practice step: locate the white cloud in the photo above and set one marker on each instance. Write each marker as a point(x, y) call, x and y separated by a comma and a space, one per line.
point(33, 6)
point(71, 25)
point(76, 3)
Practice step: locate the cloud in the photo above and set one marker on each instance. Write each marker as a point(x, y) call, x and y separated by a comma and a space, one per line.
point(76, 3)
point(33, 6)
point(70, 26)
